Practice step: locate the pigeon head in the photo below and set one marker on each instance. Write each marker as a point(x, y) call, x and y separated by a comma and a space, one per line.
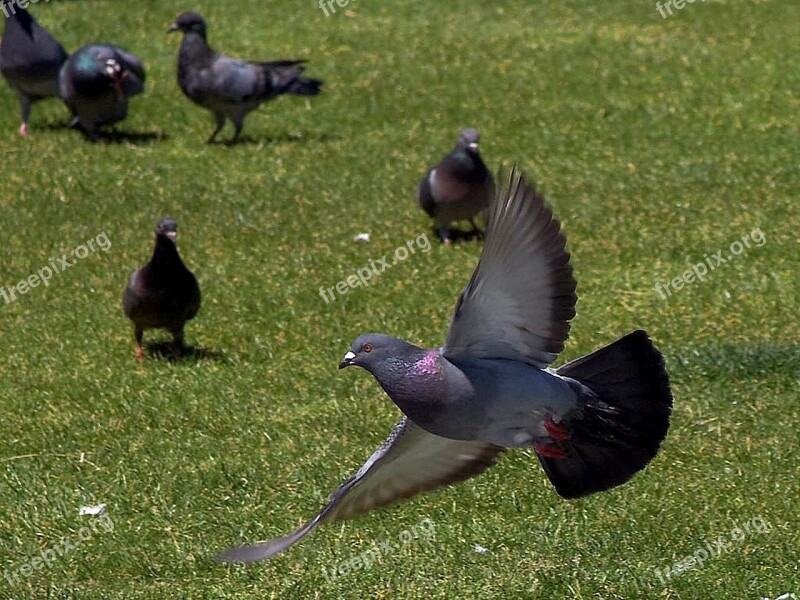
point(468, 138)
point(189, 22)
point(379, 353)
point(167, 227)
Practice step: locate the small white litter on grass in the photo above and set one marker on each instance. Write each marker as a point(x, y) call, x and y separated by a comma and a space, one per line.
point(362, 237)
point(94, 511)
point(480, 549)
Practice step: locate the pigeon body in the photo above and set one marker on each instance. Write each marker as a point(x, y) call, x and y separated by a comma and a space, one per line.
point(228, 87)
point(459, 187)
point(30, 60)
point(163, 294)
point(593, 423)
point(96, 83)
point(501, 402)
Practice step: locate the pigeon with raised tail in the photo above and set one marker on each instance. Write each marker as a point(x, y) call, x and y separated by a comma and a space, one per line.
point(593, 422)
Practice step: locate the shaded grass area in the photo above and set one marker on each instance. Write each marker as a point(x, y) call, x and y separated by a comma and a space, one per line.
point(658, 141)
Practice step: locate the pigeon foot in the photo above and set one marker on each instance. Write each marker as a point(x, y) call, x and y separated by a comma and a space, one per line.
point(139, 353)
point(23, 130)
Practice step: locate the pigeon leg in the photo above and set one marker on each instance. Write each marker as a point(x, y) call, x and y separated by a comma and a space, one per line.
point(475, 229)
point(238, 124)
point(220, 121)
point(25, 105)
point(91, 130)
point(177, 341)
point(138, 334)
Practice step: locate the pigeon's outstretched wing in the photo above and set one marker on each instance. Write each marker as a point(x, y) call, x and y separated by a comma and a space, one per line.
point(519, 301)
point(410, 461)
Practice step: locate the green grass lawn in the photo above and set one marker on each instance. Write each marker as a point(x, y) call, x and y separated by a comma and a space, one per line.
point(658, 142)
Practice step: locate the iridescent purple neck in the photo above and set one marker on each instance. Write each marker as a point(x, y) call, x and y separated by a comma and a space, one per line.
point(427, 365)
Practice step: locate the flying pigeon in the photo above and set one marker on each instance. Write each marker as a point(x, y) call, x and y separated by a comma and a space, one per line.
point(457, 188)
point(96, 83)
point(230, 87)
point(30, 59)
point(163, 293)
point(593, 422)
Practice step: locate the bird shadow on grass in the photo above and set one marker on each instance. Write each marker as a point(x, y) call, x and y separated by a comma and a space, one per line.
point(283, 138)
point(109, 136)
point(114, 136)
point(459, 236)
point(166, 351)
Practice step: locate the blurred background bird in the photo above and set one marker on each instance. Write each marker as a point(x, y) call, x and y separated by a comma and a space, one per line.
point(458, 187)
point(96, 82)
point(228, 87)
point(164, 293)
point(30, 59)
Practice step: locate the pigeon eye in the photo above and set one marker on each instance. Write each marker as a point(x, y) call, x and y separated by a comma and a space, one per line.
point(366, 347)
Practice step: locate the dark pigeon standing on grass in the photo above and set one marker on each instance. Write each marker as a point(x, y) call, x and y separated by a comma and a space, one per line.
point(164, 293)
point(230, 87)
point(593, 422)
point(96, 83)
point(457, 188)
point(30, 59)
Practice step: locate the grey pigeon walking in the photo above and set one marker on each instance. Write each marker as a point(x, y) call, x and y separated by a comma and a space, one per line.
point(96, 83)
point(458, 187)
point(593, 422)
point(228, 87)
point(30, 59)
point(163, 293)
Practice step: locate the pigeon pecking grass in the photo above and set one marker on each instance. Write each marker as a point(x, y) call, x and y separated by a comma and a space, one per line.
point(593, 422)
point(96, 82)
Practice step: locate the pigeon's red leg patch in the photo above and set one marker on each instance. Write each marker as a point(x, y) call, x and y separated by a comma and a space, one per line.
point(556, 431)
point(549, 451)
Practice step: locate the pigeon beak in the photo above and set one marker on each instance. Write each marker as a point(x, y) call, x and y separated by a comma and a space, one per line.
point(473, 146)
point(172, 28)
point(347, 361)
point(173, 235)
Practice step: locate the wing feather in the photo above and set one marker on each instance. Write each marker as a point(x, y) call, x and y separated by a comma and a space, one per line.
point(410, 461)
point(521, 296)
